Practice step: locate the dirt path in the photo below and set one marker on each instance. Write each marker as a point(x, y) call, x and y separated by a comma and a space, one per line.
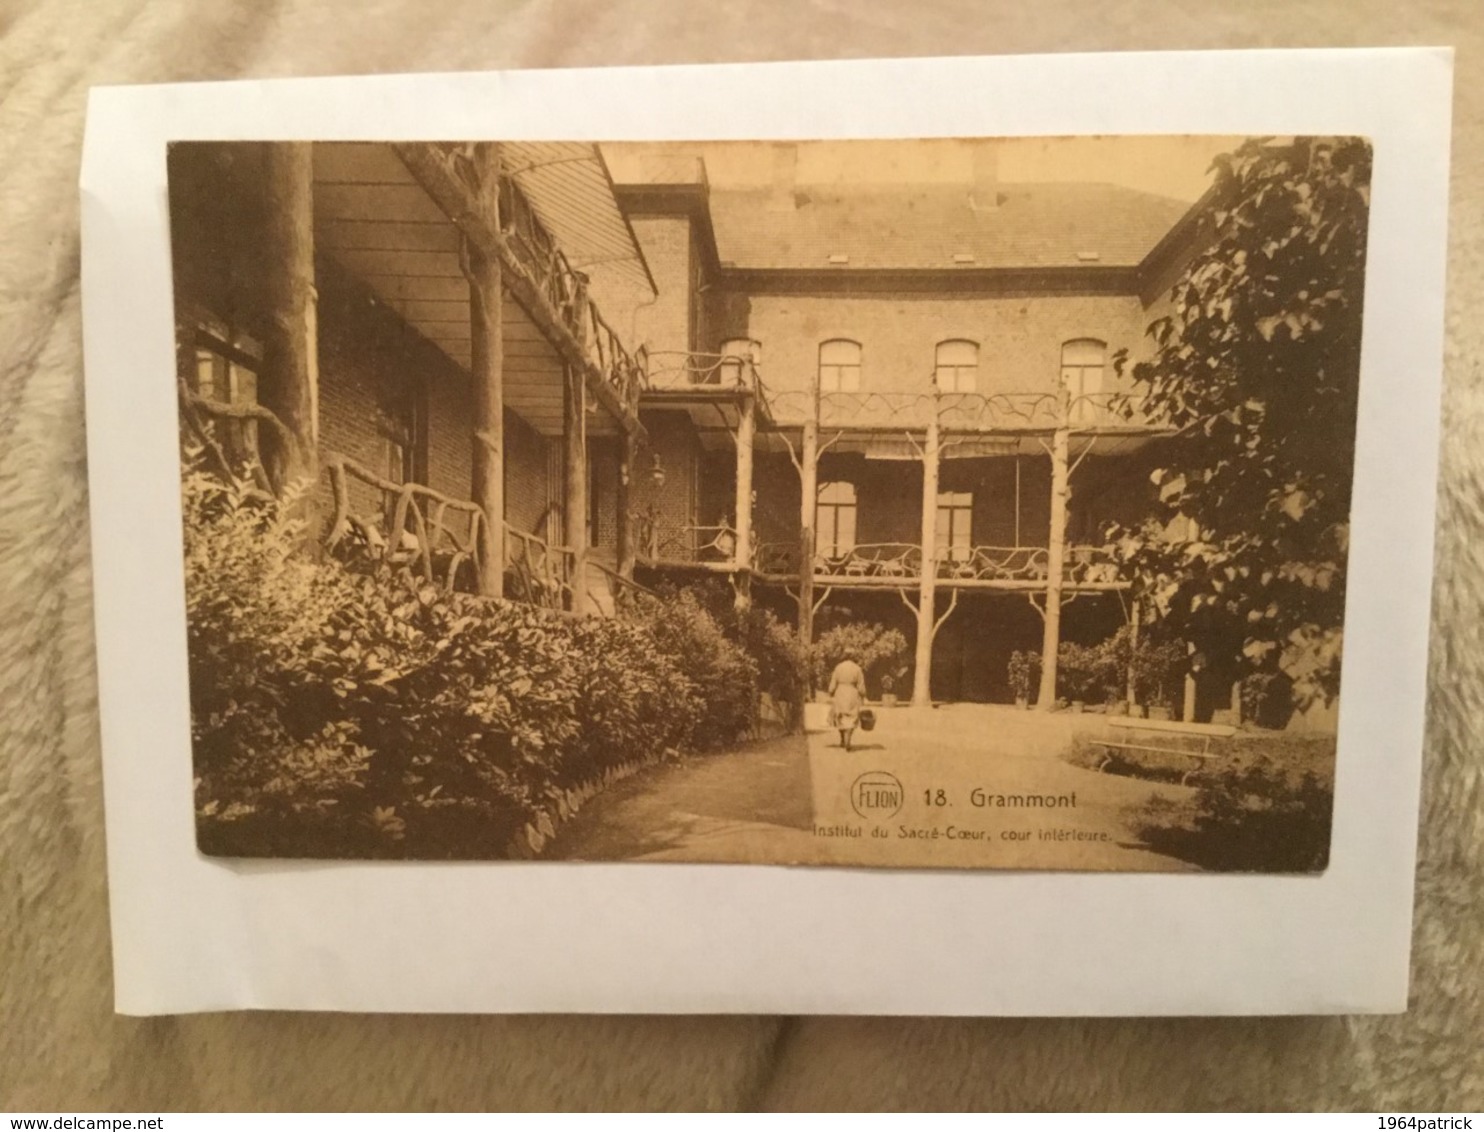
point(956, 773)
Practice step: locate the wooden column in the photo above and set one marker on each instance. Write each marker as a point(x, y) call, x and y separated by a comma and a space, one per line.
point(1133, 656)
point(927, 588)
point(487, 373)
point(574, 503)
point(808, 518)
point(1056, 551)
point(288, 384)
point(628, 453)
point(742, 508)
point(487, 369)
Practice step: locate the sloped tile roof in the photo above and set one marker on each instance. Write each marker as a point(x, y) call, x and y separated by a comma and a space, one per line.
point(1029, 226)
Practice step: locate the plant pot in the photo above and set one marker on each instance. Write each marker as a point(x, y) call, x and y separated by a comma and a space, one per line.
point(1023, 703)
point(888, 699)
point(1078, 706)
point(1161, 713)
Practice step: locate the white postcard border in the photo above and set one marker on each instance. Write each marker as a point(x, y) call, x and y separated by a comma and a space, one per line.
point(192, 933)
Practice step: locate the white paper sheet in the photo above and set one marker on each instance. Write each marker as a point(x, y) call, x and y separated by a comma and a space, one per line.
point(192, 933)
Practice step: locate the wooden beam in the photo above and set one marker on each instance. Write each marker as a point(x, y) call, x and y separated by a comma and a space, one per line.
point(433, 169)
point(1056, 550)
point(574, 500)
point(288, 384)
point(628, 453)
point(808, 517)
point(922, 676)
point(487, 369)
point(746, 436)
point(1133, 655)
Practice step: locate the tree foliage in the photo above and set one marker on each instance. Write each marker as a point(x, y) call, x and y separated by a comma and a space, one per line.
point(1257, 367)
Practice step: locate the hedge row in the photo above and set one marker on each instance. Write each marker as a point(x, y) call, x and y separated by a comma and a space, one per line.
point(337, 712)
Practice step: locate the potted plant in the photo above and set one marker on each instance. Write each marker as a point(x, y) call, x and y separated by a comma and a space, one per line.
point(1020, 679)
point(1161, 709)
point(888, 690)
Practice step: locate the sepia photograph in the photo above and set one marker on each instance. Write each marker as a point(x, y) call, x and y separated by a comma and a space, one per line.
point(963, 503)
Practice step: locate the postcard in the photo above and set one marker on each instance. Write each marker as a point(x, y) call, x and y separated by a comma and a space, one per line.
point(566, 509)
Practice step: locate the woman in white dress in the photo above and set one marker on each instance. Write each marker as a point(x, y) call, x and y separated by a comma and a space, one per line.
point(847, 694)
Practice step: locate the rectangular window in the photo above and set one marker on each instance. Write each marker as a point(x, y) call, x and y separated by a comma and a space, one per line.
point(839, 366)
point(836, 520)
point(956, 366)
point(227, 372)
point(1082, 371)
point(954, 529)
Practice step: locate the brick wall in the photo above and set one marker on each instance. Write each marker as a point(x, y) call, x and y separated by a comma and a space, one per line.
point(369, 361)
point(665, 324)
point(602, 455)
point(673, 438)
point(372, 366)
point(1020, 337)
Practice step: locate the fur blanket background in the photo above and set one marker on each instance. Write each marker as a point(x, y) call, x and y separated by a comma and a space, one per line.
point(61, 1048)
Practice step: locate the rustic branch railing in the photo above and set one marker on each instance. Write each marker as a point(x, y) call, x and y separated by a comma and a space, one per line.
point(1090, 565)
point(682, 369)
point(626, 592)
point(237, 453)
point(414, 529)
point(958, 412)
point(685, 544)
point(537, 572)
point(565, 289)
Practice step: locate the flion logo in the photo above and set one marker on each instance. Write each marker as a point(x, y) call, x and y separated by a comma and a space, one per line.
point(876, 795)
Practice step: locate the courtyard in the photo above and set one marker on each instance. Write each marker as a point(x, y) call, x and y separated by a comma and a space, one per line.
point(963, 786)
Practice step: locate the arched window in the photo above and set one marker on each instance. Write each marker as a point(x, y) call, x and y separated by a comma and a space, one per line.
point(836, 519)
point(956, 366)
point(839, 366)
point(739, 356)
point(1082, 364)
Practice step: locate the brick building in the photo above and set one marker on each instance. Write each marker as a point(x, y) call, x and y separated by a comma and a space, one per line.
point(899, 400)
point(887, 401)
point(424, 322)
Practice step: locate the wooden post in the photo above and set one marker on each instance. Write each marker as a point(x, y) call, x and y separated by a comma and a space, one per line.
point(808, 517)
point(927, 588)
point(742, 556)
point(288, 384)
point(628, 452)
point(1056, 550)
point(1133, 656)
point(574, 504)
point(1187, 710)
point(487, 371)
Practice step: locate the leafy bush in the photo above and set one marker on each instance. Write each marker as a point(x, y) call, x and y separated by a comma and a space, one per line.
point(1267, 699)
point(1099, 673)
point(1264, 802)
point(724, 676)
point(782, 662)
point(1090, 673)
point(1255, 817)
point(1023, 670)
point(258, 619)
point(878, 650)
point(344, 712)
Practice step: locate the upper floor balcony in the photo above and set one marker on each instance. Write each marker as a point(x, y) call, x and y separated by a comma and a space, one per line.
point(961, 412)
point(898, 565)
